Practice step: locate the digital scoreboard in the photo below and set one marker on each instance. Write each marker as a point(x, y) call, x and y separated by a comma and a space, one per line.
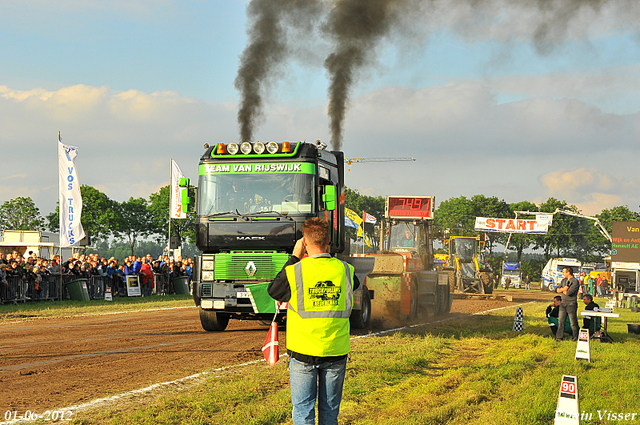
point(410, 207)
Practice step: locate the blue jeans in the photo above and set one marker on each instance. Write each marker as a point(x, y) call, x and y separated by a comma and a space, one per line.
point(323, 381)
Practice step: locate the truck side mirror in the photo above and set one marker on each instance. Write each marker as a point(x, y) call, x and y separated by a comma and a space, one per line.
point(329, 197)
point(184, 195)
point(183, 184)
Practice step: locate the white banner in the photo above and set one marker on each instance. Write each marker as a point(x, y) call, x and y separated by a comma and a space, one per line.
point(512, 225)
point(69, 198)
point(176, 210)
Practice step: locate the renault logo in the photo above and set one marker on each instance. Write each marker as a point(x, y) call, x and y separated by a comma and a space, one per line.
point(250, 269)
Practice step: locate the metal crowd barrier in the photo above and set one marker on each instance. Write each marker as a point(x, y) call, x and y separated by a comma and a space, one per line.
point(161, 284)
point(18, 289)
point(54, 287)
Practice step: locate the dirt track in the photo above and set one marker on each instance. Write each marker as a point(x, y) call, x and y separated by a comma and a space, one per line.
point(53, 363)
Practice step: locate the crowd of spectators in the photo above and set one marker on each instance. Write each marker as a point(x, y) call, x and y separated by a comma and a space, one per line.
point(30, 271)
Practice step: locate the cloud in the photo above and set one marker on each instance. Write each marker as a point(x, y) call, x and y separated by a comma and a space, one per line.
point(591, 189)
point(123, 138)
point(464, 140)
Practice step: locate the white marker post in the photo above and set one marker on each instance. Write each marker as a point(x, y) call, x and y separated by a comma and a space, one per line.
point(582, 349)
point(568, 410)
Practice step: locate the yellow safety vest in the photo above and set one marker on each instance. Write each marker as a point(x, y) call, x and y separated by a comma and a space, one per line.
point(320, 306)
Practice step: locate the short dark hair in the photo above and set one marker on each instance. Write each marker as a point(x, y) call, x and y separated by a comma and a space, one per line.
point(569, 269)
point(588, 296)
point(316, 230)
point(557, 297)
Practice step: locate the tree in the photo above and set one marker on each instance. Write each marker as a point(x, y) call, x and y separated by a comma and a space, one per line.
point(599, 245)
point(134, 221)
point(358, 203)
point(521, 241)
point(490, 207)
point(20, 214)
point(98, 213)
point(158, 207)
point(563, 233)
point(455, 217)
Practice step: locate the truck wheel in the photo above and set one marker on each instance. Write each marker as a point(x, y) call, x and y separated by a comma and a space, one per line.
point(360, 318)
point(212, 321)
point(443, 299)
point(449, 298)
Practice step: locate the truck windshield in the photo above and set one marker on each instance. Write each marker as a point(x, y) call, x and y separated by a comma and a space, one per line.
point(403, 235)
point(284, 193)
point(465, 248)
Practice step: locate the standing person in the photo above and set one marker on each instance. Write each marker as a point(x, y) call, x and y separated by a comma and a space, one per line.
point(146, 275)
point(568, 287)
point(599, 286)
point(319, 290)
point(527, 283)
point(507, 282)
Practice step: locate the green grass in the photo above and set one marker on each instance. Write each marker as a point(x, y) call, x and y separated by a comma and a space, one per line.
point(471, 370)
point(73, 308)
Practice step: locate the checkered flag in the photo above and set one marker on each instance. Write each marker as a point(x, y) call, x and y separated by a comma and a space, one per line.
point(518, 321)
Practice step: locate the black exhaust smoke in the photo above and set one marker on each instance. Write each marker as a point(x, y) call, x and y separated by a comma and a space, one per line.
point(355, 27)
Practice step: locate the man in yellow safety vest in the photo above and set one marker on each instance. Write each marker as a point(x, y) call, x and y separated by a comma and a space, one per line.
point(319, 290)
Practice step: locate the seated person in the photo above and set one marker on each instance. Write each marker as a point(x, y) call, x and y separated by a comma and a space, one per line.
point(407, 241)
point(589, 322)
point(552, 312)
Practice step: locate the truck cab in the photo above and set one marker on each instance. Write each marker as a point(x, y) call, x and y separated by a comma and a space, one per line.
point(512, 270)
point(252, 200)
point(552, 272)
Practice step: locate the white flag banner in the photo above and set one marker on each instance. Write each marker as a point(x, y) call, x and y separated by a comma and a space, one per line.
point(512, 225)
point(176, 192)
point(70, 199)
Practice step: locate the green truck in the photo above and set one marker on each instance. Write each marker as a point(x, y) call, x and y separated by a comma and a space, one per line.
point(252, 199)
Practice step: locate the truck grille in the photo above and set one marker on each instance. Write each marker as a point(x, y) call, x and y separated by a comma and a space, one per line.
point(237, 265)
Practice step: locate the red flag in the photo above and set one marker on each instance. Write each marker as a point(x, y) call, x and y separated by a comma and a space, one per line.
point(271, 348)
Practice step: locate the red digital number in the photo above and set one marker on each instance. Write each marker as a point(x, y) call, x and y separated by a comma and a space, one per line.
point(417, 204)
point(410, 203)
point(568, 387)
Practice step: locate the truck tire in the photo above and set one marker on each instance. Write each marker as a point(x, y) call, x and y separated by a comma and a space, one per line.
point(360, 318)
point(485, 278)
point(196, 298)
point(212, 321)
point(449, 298)
point(443, 299)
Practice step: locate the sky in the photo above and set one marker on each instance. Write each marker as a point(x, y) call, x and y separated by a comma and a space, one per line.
point(499, 98)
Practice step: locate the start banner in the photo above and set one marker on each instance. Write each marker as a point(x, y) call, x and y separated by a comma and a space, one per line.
point(514, 225)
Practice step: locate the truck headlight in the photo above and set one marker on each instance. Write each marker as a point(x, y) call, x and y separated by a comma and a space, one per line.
point(208, 263)
point(258, 147)
point(207, 275)
point(232, 148)
point(272, 147)
point(245, 148)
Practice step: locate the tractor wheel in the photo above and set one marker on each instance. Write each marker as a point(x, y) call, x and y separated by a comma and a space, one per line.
point(360, 318)
point(212, 321)
point(452, 280)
